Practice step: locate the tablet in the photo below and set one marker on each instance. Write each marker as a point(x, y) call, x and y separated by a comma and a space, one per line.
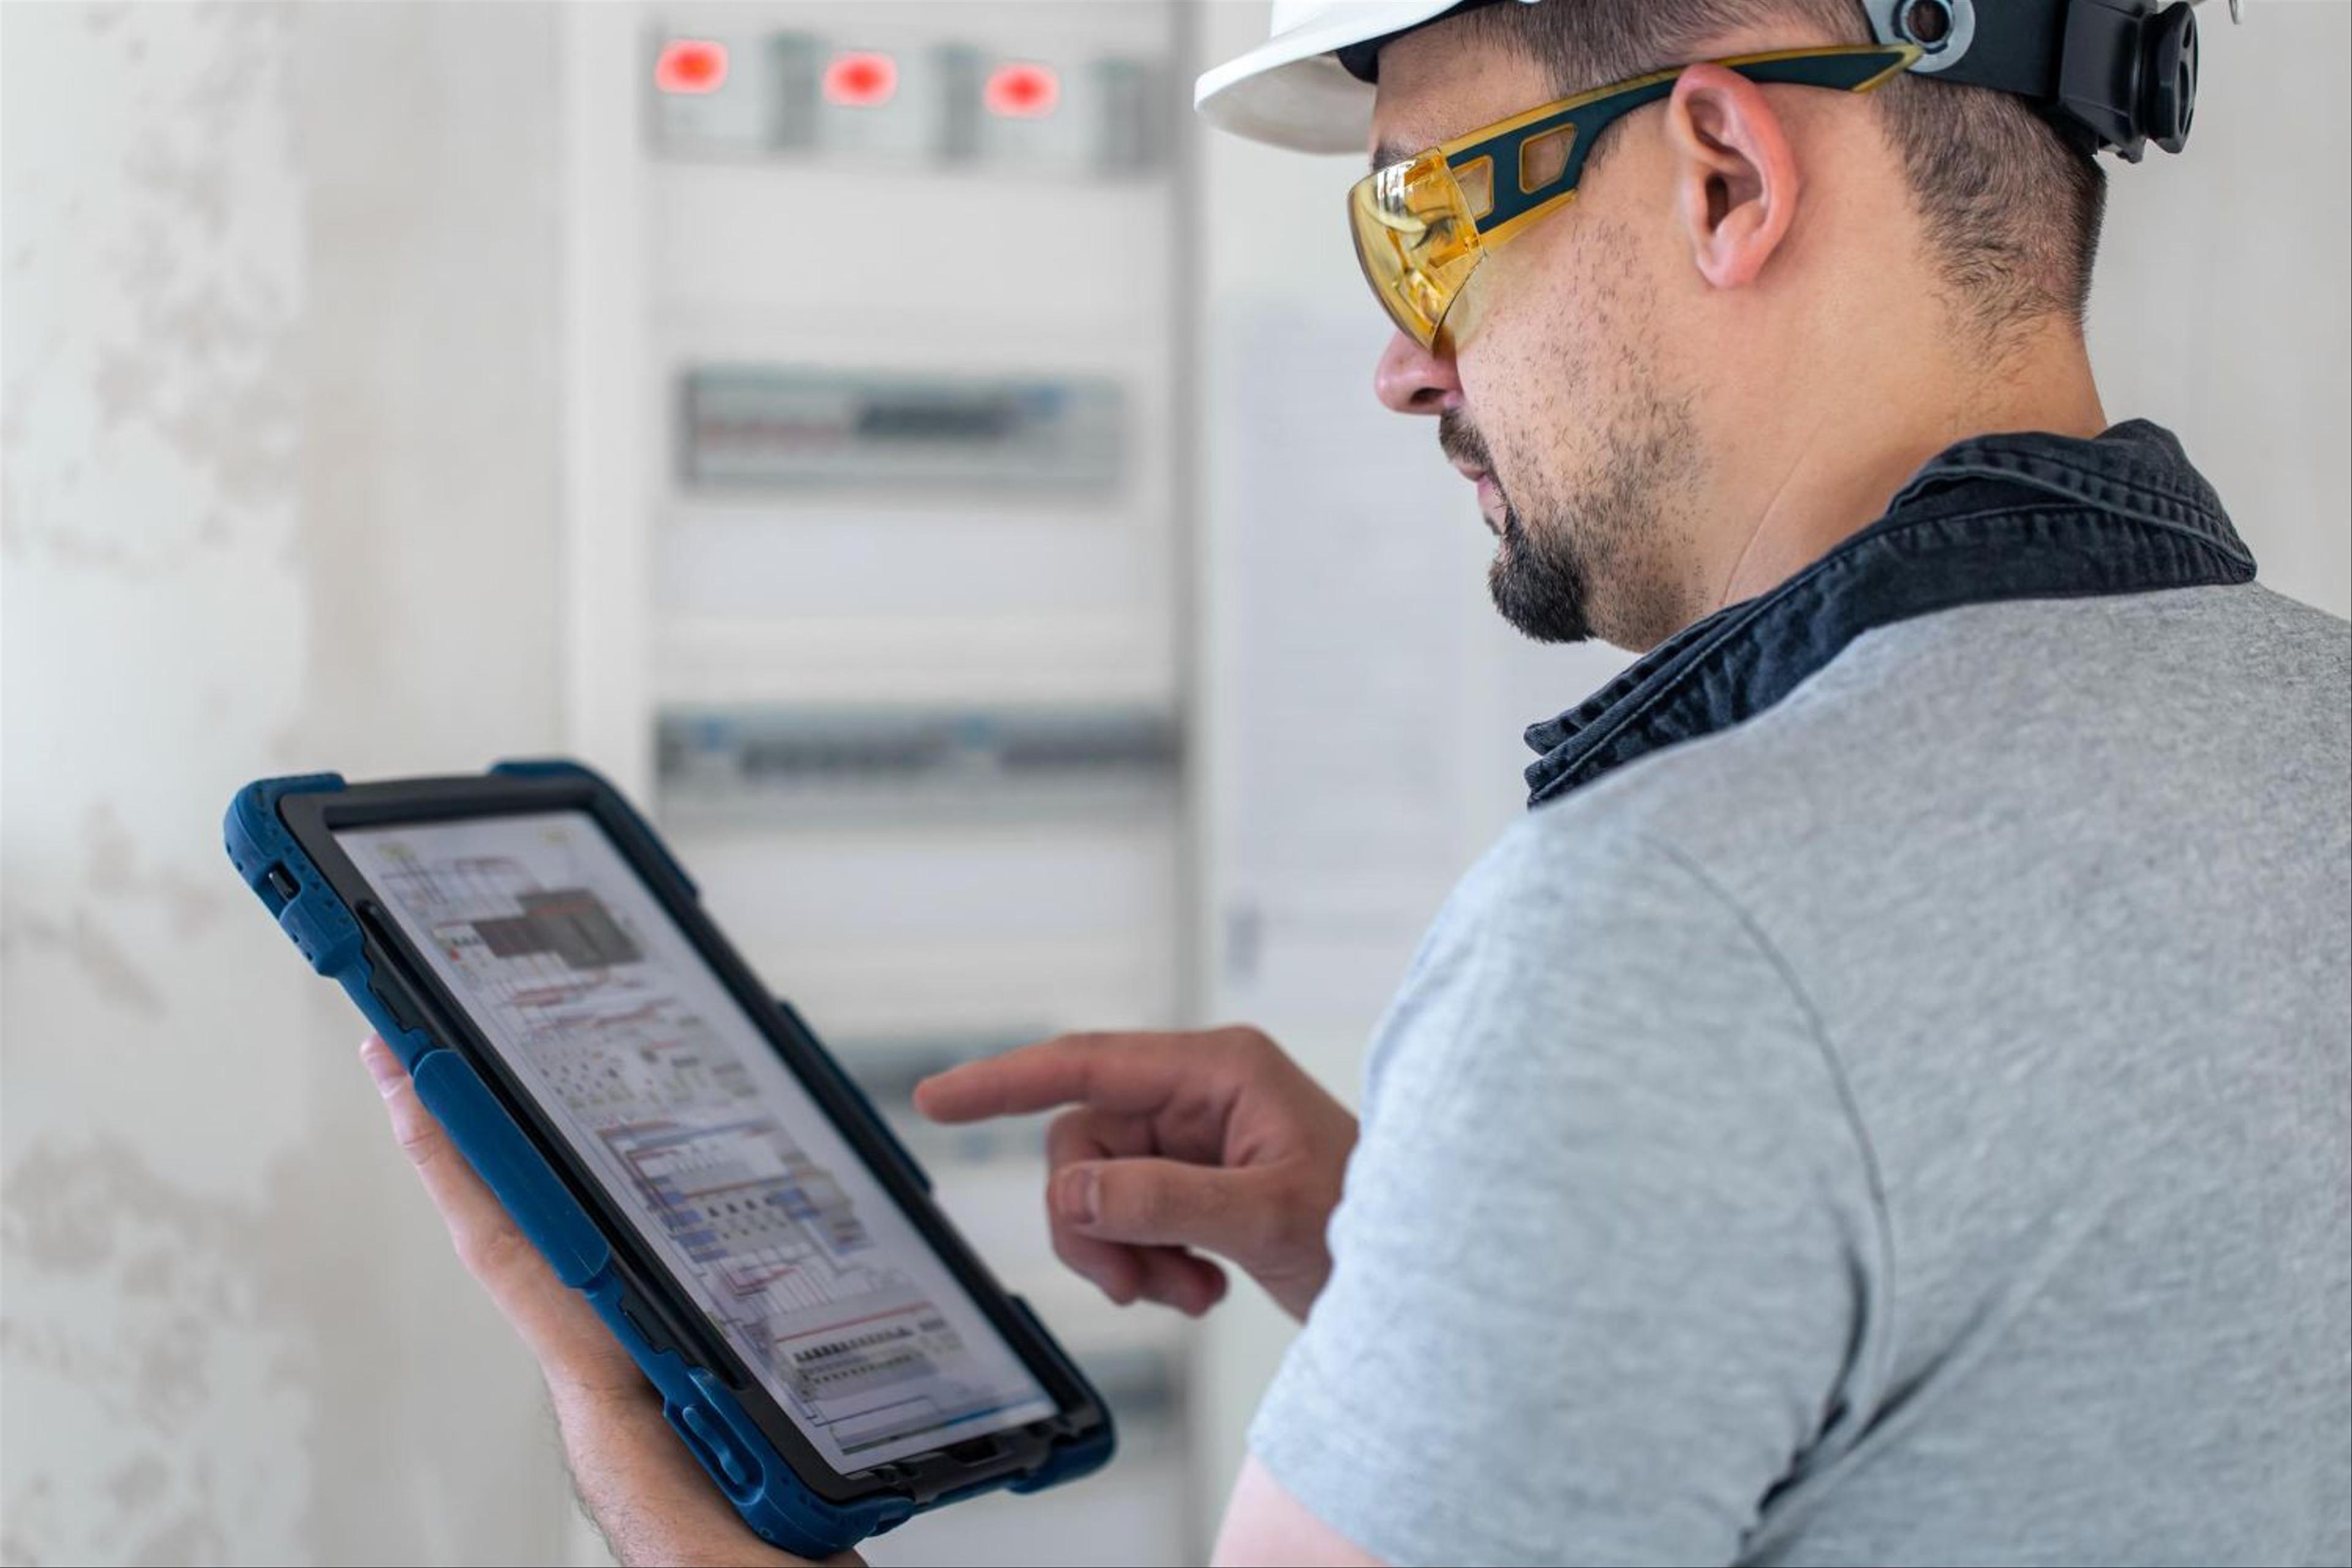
point(677, 1143)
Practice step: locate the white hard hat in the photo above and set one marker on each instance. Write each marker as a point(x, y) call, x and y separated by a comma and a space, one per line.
point(1290, 91)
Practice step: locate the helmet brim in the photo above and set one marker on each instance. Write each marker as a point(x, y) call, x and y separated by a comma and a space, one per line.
point(1290, 92)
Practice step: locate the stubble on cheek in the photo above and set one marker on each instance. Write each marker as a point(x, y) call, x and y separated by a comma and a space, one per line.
point(1600, 460)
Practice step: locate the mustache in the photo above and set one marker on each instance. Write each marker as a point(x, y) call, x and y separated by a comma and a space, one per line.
point(1460, 441)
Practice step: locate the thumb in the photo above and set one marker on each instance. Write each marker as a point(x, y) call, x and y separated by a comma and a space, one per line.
point(477, 1221)
point(557, 1323)
point(1170, 1203)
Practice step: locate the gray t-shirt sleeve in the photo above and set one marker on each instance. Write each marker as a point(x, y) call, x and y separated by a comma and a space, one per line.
point(1608, 1239)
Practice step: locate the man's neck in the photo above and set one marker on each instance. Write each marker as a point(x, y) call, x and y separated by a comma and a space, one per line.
point(1863, 443)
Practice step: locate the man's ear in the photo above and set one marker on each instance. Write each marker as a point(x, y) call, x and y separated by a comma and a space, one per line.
point(1735, 174)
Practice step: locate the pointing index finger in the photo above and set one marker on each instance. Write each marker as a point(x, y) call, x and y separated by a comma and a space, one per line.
point(1132, 1074)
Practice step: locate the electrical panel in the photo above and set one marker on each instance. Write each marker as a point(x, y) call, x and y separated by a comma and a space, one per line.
point(877, 103)
point(803, 765)
point(742, 94)
point(728, 94)
point(1067, 117)
point(746, 426)
point(895, 571)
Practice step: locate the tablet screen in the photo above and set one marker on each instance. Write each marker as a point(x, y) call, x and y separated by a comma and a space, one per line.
point(660, 1082)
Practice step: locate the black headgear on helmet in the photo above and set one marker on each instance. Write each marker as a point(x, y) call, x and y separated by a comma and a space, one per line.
point(2111, 74)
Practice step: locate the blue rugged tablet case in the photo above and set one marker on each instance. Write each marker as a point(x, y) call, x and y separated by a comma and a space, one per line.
point(747, 1467)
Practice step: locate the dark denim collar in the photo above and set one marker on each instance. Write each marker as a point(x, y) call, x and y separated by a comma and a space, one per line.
point(2000, 516)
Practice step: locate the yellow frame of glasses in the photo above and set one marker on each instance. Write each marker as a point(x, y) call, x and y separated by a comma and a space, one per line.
point(1420, 234)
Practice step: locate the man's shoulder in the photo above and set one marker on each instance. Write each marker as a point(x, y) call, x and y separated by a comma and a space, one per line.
point(1957, 710)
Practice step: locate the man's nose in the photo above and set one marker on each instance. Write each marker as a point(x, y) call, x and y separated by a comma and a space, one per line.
point(1411, 379)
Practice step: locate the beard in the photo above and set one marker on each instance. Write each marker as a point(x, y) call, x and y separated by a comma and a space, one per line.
point(1538, 580)
point(1570, 570)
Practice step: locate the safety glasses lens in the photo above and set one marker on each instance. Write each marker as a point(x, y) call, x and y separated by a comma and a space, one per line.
point(1415, 241)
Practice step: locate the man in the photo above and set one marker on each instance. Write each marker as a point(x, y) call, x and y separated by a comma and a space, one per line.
point(1889, 1100)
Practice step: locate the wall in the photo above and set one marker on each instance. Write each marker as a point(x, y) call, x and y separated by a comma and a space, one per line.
point(2221, 307)
point(279, 493)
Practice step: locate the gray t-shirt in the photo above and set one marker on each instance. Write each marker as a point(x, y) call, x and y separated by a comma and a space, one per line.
point(1912, 1126)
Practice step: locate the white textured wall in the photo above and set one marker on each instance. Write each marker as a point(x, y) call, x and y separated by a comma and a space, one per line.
point(279, 493)
point(2223, 303)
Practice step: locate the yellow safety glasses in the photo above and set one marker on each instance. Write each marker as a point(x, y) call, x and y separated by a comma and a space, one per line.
point(1423, 226)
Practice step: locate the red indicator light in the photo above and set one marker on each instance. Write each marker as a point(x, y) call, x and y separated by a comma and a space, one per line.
point(691, 65)
point(861, 81)
point(1022, 92)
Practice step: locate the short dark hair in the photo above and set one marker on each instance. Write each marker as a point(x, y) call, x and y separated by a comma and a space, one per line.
point(2013, 206)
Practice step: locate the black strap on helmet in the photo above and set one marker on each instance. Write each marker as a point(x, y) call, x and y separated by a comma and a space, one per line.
point(2115, 74)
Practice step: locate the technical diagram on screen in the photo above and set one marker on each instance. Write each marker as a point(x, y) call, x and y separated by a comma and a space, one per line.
point(660, 1081)
point(731, 1203)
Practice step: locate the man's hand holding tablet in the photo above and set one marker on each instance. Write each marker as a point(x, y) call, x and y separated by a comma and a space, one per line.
point(638, 1481)
point(689, 1211)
